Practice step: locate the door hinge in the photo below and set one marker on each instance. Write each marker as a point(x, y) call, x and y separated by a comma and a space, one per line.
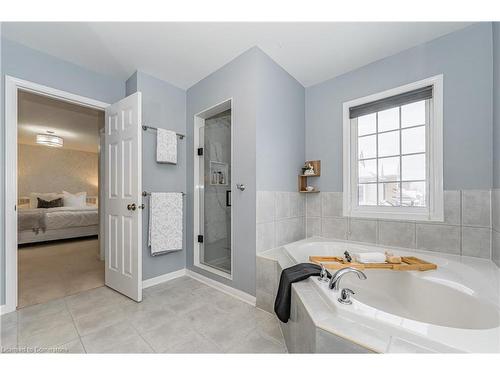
point(200, 238)
point(200, 151)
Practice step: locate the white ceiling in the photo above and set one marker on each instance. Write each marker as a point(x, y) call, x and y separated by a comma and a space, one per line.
point(184, 53)
point(78, 126)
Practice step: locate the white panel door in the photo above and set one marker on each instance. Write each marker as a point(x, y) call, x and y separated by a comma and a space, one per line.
point(123, 219)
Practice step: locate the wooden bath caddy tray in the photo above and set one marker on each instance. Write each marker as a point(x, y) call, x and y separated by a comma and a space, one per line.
point(407, 264)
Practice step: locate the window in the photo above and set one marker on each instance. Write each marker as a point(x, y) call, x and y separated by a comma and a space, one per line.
point(393, 153)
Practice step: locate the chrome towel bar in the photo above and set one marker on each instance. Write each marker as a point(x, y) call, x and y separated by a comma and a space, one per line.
point(146, 127)
point(146, 193)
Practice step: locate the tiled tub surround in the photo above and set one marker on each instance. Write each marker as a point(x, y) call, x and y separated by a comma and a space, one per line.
point(318, 323)
point(280, 218)
point(466, 230)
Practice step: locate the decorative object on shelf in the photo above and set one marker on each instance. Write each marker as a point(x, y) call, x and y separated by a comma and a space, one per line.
point(308, 169)
point(218, 173)
point(311, 168)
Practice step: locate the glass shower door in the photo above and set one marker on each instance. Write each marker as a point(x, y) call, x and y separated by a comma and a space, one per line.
point(215, 199)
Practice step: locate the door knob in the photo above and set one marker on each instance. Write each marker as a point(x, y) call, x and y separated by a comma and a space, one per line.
point(131, 207)
point(241, 187)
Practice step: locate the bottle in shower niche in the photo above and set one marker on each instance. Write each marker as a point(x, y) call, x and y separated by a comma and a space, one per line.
point(214, 178)
point(222, 179)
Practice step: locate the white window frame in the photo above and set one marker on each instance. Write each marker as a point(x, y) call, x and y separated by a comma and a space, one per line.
point(434, 160)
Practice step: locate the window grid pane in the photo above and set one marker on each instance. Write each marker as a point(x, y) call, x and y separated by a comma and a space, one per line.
point(389, 188)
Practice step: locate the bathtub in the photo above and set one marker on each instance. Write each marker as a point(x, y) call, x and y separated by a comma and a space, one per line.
point(452, 309)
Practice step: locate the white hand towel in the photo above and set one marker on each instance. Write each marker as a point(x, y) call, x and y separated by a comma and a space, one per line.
point(165, 222)
point(166, 146)
point(370, 257)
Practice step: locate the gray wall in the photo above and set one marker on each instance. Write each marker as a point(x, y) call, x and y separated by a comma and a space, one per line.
point(236, 80)
point(280, 127)
point(496, 104)
point(465, 59)
point(25, 63)
point(268, 135)
point(163, 106)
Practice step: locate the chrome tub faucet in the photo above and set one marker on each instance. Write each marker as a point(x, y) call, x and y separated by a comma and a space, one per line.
point(337, 276)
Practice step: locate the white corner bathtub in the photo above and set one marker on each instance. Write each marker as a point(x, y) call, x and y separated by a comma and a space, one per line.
point(455, 308)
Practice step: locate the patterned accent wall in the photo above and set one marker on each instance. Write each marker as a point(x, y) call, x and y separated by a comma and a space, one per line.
point(45, 169)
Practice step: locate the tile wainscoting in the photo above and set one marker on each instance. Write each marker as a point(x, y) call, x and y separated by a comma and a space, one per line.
point(471, 226)
point(281, 218)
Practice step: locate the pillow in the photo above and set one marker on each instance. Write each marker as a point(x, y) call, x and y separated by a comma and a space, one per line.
point(44, 196)
point(49, 204)
point(75, 200)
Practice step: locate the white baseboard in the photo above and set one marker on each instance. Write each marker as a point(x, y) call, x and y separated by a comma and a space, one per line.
point(245, 297)
point(4, 309)
point(163, 278)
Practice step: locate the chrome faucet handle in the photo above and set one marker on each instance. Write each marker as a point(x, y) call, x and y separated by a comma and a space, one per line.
point(323, 274)
point(345, 296)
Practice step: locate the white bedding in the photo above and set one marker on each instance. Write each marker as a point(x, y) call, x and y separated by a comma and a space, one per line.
point(66, 217)
point(69, 217)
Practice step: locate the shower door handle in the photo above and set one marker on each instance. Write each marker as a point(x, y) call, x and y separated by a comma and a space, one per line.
point(241, 187)
point(228, 198)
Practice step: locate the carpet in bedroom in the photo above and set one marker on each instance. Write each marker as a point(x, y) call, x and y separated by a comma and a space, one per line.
point(57, 269)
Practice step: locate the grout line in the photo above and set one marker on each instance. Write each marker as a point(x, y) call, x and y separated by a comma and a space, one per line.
point(74, 324)
point(142, 337)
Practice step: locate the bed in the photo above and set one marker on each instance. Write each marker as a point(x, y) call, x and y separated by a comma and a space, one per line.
point(48, 224)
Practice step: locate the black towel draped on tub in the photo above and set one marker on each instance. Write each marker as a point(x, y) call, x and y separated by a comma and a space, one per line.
point(288, 276)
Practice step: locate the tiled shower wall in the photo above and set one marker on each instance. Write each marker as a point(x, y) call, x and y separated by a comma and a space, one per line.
point(280, 218)
point(468, 228)
point(495, 254)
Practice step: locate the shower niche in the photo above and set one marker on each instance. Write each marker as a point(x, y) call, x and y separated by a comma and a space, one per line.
point(218, 173)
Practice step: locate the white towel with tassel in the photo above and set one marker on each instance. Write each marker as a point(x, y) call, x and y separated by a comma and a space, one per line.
point(165, 222)
point(369, 257)
point(166, 146)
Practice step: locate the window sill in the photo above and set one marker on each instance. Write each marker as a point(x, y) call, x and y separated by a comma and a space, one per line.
point(398, 216)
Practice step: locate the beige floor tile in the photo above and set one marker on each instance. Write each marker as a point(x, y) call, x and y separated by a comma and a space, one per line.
point(180, 316)
point(48, 322)
point(101, 319)
point(177, 336)
point(118, 338)
point(7, 320)
point(50, 337)
point(8, 337)
point(73, 347)
point(36, 311)
point(257, 343)
point(94, 301)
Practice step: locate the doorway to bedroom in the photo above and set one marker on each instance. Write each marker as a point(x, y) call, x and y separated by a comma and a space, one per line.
point(60, 249)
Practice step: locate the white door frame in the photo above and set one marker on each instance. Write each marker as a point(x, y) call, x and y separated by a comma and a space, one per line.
point(199, 121)
point(12, 86)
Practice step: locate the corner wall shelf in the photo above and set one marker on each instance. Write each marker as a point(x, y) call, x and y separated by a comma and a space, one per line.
point(303, 177)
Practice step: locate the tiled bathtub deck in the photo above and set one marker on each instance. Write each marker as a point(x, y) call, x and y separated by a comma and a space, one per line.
point(180, 316)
